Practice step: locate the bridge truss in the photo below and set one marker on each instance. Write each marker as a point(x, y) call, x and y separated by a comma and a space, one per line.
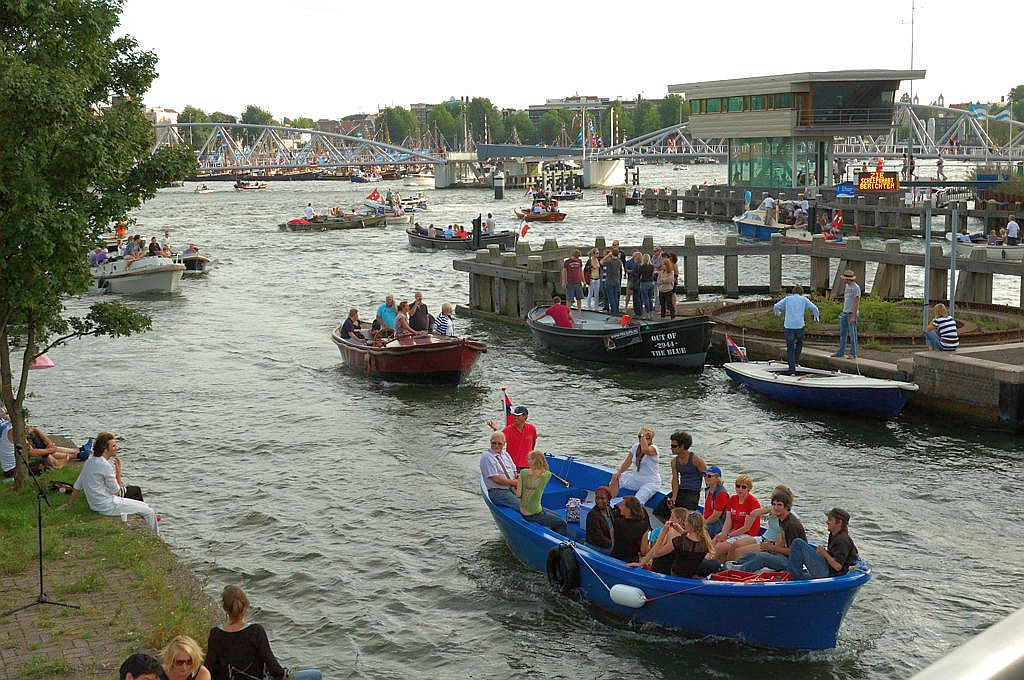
point(671, 143)
point(230, 147)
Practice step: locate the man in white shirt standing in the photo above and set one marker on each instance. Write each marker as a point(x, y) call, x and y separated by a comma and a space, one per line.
point(100, 480)
point(1012, 232)
point(309, 212)
point(768, 204)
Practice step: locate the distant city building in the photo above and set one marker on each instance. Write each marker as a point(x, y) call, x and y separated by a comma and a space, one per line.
point(327, 125)
point(158, 115)
point(574, 103)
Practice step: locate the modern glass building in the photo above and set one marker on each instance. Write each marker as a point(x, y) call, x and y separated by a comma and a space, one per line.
point(781, 128)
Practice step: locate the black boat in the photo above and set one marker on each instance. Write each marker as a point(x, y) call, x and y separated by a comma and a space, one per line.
point(505, 239)
point(630, 199)
point(677, 343)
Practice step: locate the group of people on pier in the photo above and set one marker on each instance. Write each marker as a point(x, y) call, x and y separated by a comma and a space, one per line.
point(685, 538)
point(401, 320)
point(599, 280)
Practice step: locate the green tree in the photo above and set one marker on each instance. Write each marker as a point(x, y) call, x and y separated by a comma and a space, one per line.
point(673, 110)
point(254, 115)
point(1017, 102)
point(401, 123)
point(66, 173)
point(646, 117)
point(521, 123)
point(550, 126)
point(480, 109)
point(191, 114)
point(441, 117)
point(221, 117)
point(303, 123)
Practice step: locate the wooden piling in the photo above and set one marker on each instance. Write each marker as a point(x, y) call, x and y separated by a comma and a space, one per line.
point(690, 268)
point(890, 279)
point(975, 286)
point(856, 265)
point(775, 265)
point(938, 288)
point(732, 269)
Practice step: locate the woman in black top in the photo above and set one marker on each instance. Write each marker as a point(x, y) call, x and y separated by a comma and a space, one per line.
point(238, 649)
point(599, 521)
point(628, 530)
point(691, 546)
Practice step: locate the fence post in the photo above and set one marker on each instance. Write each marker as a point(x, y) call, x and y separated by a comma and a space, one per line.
point(690, 267)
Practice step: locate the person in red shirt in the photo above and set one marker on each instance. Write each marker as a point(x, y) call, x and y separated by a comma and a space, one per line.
point(520, 436)
point(740, 519)
point(572, 280)
point(560, 313)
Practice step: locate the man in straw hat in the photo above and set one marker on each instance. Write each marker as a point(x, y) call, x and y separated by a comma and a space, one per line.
point(848, 317)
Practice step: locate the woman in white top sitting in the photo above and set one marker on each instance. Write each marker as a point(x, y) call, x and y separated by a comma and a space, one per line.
point(100, 480)
point(640, 469)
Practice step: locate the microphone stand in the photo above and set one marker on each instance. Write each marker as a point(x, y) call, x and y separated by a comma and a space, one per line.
point(40, 499)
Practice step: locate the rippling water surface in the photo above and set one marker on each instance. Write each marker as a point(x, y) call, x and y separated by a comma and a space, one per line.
point(350, 511)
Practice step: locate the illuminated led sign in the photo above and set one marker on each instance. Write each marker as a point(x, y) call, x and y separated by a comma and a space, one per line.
point(878, 181)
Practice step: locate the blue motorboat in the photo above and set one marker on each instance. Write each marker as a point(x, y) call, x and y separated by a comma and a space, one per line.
point(753, 224)
point(819, 389)
point(793, 615)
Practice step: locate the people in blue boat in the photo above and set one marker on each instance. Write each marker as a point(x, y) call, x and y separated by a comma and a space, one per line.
point(687, 472)
point(628, 529)
point(387, 312)
point(848, 317)
point(639, 471)
point(499, 473)
point(796, 307)
point(682, 547)
point(599, 521)
point(941, 333)
point(784, 525)
point(740, 520)
point(716, 500)
point(530, 489)
point(741, 545)
point(835, 559)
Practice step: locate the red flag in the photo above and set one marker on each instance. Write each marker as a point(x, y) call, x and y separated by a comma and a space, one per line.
point(525, 228)
point(837, 221)
point(374, 195)
point(508, 408)
point(734, 349)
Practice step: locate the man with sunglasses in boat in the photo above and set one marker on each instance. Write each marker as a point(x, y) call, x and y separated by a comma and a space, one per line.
point(499, 473)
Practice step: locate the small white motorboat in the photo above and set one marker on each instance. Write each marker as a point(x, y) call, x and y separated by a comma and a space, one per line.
point(995, 252)
point(144, 275)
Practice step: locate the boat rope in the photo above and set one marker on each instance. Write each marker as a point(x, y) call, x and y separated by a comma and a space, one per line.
point(565, 473)
point(678, 592)
point(572, 544)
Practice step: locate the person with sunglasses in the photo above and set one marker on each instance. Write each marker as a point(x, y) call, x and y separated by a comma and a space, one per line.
point(639, 471)
point(499, 473)
point(182, 659)
point(716, 501)
point(740, 520)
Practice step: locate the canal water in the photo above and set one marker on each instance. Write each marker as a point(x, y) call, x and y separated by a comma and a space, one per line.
point(350, 510)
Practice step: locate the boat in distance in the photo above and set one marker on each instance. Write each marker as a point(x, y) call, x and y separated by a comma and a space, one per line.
point(753, 224)
point(428, 359)
point(144, 275)
point(530, 216)
point(994, 252)
point(506, 240)
point(327, 223)
point(788, 614)
point(681, 343)
point(820, 389)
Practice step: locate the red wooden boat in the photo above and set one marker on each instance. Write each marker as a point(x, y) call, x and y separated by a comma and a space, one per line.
point(430, 359)
point(539, 217)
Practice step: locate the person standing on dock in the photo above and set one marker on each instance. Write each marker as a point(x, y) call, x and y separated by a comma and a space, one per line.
point(848, 317)
point(1012, 232)
point(795, 306)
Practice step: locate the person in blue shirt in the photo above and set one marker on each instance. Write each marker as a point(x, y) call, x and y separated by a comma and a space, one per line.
point(387, 312)
point(796, 305)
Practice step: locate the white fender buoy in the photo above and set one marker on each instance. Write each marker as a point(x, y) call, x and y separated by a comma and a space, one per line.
point(628, 596)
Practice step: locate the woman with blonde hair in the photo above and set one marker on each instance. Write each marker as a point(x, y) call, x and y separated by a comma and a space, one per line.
point(238, 649)
point(691, 546)
point(530, 488)
point(593, 273)
point(182, 659)
point(741, 518)
point(639, 471)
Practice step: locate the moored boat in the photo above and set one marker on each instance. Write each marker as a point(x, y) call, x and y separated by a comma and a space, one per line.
point(753, 224)
point(144, 275)
point(360, 178)
point(567, 195)
point(430, 359)
point(331, 223)
point(790, 614)
point(531, 216)
point(993, 252)
point(195, 263)
point(681, 343)
point(819, 389)
point(423, 178)
point(506, 240)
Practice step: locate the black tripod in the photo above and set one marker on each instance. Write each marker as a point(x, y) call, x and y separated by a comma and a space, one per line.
point(40, 499)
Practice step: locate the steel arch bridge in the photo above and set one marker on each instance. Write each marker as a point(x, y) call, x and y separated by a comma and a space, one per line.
point(670, 143)
point(238, 147)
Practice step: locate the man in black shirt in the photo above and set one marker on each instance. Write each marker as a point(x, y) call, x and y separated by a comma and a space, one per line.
point(419, 319)
point(350, 330)
point(806, 561)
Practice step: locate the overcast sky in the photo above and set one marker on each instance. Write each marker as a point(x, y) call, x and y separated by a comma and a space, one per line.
point(326, 58)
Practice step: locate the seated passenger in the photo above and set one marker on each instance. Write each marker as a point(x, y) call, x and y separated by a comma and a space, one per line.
point(691, 547)
point(807, 561)
point(154, 248)
point(993, 238)
point(444, 324)
point(639, 471)
point(774, 554)
point(560, 313)
point(628, 530)
point(660, 556)
point(599, 521)
point(433, 232)
point(538, 209)
point(352, 328)
point(740, 520)
point(530, 488)
point(499, 473)
point(448, 233)
point(192, 249)
point(716, 501)
point(741, 545)
point(98, 257)
point(402, 327)
point(460, 232)
point(421, 230)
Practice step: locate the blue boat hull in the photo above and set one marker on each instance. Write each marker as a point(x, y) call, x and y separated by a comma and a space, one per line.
point(886, 403)
point(794, 615)
point(758, 231)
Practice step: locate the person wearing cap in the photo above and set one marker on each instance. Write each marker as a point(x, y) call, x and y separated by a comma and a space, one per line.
point(848, 317)
point(520, 436)
point(499, 473)
point(639, 471)
point(716, 500)
point(796, 306)
point(810, 562)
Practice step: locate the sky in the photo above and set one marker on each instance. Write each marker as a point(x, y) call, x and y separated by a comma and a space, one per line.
point(327, 59)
